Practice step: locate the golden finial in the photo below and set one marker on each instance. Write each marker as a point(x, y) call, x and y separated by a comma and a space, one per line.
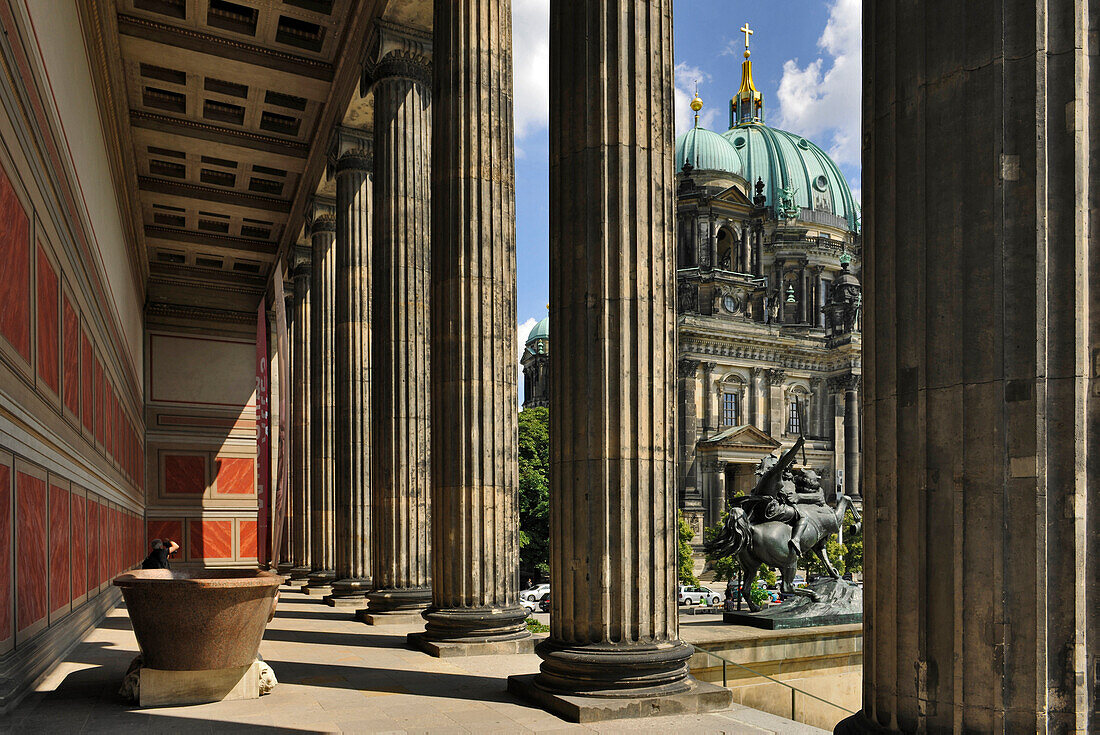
point(748, 32)
point(696, 103)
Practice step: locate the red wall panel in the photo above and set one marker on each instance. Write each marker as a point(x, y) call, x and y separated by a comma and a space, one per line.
point(246, 533)
point(15, 264)
point(166, 529)
point(87, 381)
point(100, 414)
point(30, 516)
point(93, 543)
point(211, 539)
point(184, 474)
point(236, 475)
point(70, 356)
point(5, 551)
point(80, 545)
point(48, 330)
point(61, 540)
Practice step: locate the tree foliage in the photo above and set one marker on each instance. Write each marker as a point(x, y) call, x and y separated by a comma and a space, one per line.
point(684, 562)
point(534, 493)
point(853, 557)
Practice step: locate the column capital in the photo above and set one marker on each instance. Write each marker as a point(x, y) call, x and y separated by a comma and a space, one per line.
point(845, 382)
point(758, 373)
point(351, 150)
point(324, 222)
point(320, 215)
point(403, 52)
point(776, 376)
point(687, 367)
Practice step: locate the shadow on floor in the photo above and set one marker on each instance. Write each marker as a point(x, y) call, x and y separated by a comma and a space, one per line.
point(295, 614)
point(393, 681)
point(348, 640)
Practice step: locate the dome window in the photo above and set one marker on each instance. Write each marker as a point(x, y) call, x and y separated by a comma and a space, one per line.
point(804, 144)
point(821, 183)
point(739, 141)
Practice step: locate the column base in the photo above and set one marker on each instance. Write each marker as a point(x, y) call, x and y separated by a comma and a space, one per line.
point(696, 698)
point(408, 600)
point(405, 618)
point(284, 568)
point(349, 593)
point(320, 583)
point(858, 724)
point(475, 625)
point(461, 649)
point(615, 669)
point(299, 574)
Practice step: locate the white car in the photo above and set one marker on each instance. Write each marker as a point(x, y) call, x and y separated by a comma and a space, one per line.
point(534, 594)
point(698, 596)
point(529, 605)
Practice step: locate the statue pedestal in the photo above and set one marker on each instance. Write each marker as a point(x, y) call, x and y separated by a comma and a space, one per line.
point(841, 603)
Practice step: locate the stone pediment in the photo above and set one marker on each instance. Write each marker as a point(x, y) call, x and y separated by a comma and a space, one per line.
point(734, 195)
point(742, 437)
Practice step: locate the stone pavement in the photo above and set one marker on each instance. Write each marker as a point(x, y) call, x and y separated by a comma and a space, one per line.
point(336, 675)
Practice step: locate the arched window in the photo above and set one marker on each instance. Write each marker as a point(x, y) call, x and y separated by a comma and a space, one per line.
point(796, 410)
point(730, 391)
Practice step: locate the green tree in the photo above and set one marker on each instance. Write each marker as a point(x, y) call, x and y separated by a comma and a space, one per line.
point(853, 557)
point(835, 551)
point(685, 563)
point(534, 493)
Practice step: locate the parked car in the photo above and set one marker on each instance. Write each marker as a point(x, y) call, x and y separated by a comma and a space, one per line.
point(544, 604)
point(697, 596)
point(536, 593)
point(529, 605)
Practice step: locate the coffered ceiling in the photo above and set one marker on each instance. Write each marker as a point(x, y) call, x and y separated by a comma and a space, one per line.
point(223, 114)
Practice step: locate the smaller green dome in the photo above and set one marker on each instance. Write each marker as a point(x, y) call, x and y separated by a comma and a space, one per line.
point(706, 151)
point(539, 331)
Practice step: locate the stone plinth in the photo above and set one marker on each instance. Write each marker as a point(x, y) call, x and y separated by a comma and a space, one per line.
point(461, 649)
point(696, 698)
point(160, 688)
point(389, 618)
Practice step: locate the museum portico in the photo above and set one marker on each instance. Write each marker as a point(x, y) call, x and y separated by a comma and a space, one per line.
point(173, 169)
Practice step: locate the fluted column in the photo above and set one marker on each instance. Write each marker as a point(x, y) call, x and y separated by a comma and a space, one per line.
point(475, 482)
point(981, 374)
point(400, 458)
point(851, 435)
point(322, 402)
point(819, 296)
point(757, 399)
point(613, 619)
point(301, 531)
point(353, 373)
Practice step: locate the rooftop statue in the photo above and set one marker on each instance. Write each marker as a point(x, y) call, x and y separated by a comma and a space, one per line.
point(784, 516)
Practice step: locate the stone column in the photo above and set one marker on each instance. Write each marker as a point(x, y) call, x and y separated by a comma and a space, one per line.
point(819, 294)
point(691, 496)
point(613, 618)
point(475, 486)
point(400, 443)
point(746, 251)
point(805, 300)
point(757, 399)
point(851, 435)
point(709, 418)
point(301, 531)
point(353, 371)
point(777, 408)
point(758, 268)
point(322, 401)
point(718, 502)
point(982, 394)
point(820, 399)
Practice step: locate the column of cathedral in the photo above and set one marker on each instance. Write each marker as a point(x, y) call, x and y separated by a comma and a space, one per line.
point(352, 357)
point(777, 408)
point(709, 417)
point(851, 435)
point(301, 532)
point(400, 453)
point(982, 507)
point(475, 484)
point(687, 433)
point(757, 399)
point(819, 293)
point(613, 621)
point(322, 400)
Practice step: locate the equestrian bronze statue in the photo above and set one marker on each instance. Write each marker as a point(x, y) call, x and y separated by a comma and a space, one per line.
point(784, 516)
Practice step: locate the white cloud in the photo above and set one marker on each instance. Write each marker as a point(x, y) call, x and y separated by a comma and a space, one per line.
point(686, 78)
point(531, 65)
point(822, 99)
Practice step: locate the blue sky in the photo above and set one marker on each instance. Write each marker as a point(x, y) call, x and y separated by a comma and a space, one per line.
point(806, 61)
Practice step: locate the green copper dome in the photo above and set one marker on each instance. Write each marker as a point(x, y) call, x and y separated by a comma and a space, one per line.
point(706, 151)
point(788, 161)
point(539, 331)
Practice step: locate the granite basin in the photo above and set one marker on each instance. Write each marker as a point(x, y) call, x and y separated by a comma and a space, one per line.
point(199, 619)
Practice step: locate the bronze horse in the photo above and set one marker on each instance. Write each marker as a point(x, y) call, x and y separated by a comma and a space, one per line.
point(770, 543)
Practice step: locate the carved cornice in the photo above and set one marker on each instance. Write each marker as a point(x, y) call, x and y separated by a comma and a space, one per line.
point(199, 313)
point(194, 128)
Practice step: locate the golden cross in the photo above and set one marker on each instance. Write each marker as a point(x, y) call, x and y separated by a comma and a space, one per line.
point(748, 32)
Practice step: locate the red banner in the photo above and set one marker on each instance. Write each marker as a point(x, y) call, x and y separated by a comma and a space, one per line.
point(283, 472)
point(263, 432)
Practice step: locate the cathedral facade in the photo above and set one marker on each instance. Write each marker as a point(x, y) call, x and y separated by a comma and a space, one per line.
point(769, 310)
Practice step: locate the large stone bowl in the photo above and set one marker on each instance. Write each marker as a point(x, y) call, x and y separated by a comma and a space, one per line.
point(199, 619)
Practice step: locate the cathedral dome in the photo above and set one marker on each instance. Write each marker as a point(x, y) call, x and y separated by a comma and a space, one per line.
point(539, 331)
point(706, 151)
point(786, 160)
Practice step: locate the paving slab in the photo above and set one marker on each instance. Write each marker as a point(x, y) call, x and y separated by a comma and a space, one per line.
point(335, 675)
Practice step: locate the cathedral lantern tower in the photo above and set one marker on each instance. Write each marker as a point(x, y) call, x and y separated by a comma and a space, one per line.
point(748, 105)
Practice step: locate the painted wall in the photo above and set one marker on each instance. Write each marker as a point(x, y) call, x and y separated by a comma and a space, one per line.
point(72, 434)
point(201, 461)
